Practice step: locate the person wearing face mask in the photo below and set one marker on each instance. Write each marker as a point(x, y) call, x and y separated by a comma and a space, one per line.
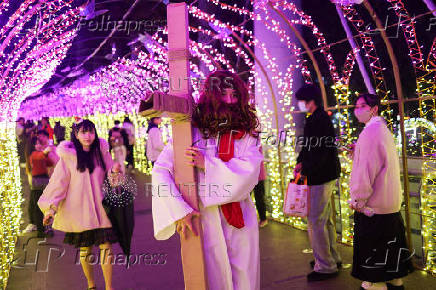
point(379, 234)
point(318, 162)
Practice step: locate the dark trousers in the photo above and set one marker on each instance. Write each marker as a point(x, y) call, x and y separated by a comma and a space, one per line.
point(20, 149)
point(259, 196)
point(129, 157)
point(35, 214)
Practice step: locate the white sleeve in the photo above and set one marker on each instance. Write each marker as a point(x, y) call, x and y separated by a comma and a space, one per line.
point(367, 163)
point(19, 130)
point(168, 205)
point(156, 139)
point(56, 190)
point(124, 150)
point(232, 181)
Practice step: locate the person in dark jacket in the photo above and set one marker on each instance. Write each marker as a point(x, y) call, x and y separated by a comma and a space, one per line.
point(59, 132)
point(318, 161)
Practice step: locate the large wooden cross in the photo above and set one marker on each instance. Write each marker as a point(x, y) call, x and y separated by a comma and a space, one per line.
point(178, 105)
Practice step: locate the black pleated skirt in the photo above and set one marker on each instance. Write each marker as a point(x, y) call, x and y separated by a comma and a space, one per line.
point(380, 251)
point(89, 238)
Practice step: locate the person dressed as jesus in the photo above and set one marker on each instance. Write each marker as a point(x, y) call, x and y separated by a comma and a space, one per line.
point(227, 158)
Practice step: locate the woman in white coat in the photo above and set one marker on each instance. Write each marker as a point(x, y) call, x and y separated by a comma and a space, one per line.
point(380, 253)
point(227, 159)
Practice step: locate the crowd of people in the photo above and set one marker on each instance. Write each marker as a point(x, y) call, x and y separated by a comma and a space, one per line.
point(66, 187)
point(65, 180)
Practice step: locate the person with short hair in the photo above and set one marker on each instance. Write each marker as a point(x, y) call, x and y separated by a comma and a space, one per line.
point(43, 138)
point(376, 197)
point(154, 144)
point(117, 140)
point(59, 132)
point(130, 130)
point(318, 161)
point(45, 125)
point(42, 159)
point(20, 135)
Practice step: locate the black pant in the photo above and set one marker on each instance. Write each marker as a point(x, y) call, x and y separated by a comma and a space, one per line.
point(35, 214)
point(129, 157)
point(259, 196)
point(20, 149)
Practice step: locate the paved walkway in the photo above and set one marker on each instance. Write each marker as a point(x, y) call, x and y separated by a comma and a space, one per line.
point(49, 264)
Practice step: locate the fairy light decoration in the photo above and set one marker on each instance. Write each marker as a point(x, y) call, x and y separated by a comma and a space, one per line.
point(120, 194)
point(117, 89)
point(28, 58)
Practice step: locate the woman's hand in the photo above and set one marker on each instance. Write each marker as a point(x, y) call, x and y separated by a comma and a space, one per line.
point(187, 222)
point(297, 169)
point(48, 218)
point(194, 157)
point(355, 206)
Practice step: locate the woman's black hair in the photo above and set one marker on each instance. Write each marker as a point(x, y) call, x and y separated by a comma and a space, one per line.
point(127, 120)
point(87, 160)
point(123, 133)
point(151, 124)
point(371, 100)
point(43, 132)
point(308, 93)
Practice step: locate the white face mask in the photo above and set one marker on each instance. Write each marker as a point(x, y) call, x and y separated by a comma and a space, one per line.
point(302, 106)
point(363, 115)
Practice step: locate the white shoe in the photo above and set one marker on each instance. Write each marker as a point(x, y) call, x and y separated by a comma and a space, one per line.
point(263, 223)
point(30, 228)
point(374, 286)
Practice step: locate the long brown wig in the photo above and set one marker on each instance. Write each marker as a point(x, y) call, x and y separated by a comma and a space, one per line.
point(213, 116)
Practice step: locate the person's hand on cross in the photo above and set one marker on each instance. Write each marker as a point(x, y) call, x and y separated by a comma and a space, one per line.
point(186, 222)
point(194, 157)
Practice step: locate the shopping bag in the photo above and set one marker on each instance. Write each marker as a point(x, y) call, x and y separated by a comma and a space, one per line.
point(296, 198)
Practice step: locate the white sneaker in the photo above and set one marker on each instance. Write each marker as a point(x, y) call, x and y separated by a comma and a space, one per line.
point(374, 286)
point(30, 228)
point(263, 223)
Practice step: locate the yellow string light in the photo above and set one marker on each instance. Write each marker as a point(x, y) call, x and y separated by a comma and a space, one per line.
point(10, 198)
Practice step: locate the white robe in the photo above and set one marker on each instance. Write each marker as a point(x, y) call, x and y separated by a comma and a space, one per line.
point(231, 254)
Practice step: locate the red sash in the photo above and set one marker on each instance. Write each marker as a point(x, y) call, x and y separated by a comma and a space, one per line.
point(226, 147)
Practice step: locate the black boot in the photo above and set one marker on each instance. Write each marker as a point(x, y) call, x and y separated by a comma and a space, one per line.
point(317, 276)
point(312, 264)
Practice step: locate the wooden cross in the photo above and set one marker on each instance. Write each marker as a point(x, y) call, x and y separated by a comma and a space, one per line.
point(178, 105)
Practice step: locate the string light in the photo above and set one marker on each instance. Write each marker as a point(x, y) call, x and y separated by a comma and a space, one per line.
point(28, 58)
point(116, 90)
